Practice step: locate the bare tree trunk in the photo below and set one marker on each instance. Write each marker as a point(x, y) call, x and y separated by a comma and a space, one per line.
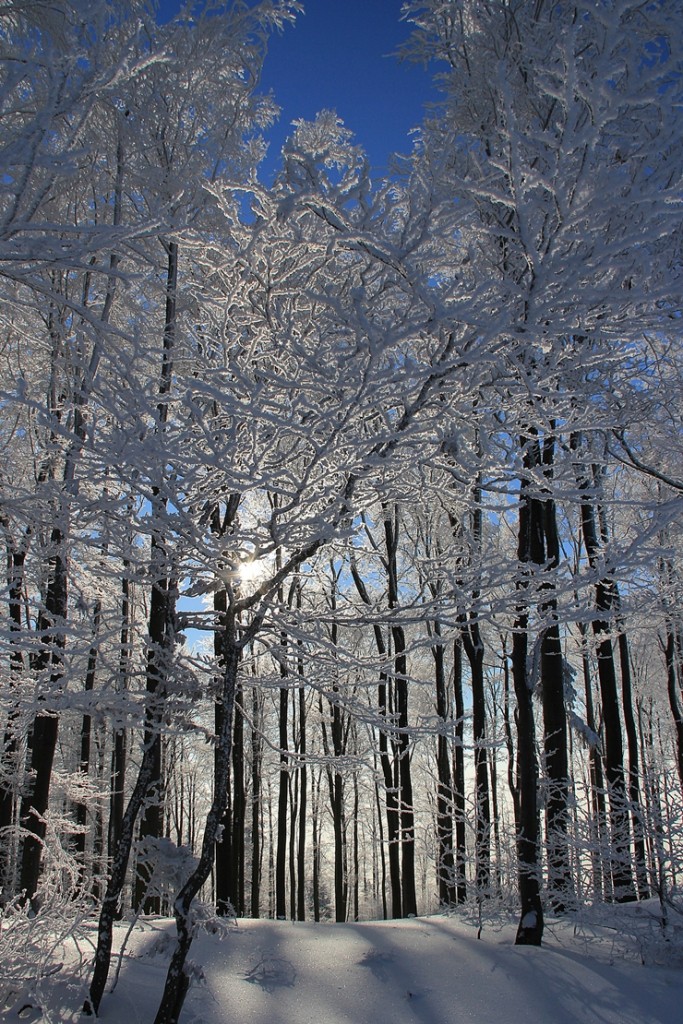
point(119, 866)
point(356, 865)
point(602, 881)
point(293, 816)
point(445, 861)
point(224, 858)
point(382, 881)
point(10, 754)
point(256, 824)
point(674, 692)
point(633, 768)
point(177, 980)
point(303, 792)
point(473, 645)
point(530, 930)
point(283, 792)
point(386, 760)
point(335, 782)
point(509, 743)
point(162, 623)
point(459, 776)
point(474, 649)
point(86, 732)
point(560, 884)
point(162, 611)
point(315, 832)
point(672, 649)
point(51, 626)
point(221, 520)
point(603, 622)
point(407, 812)
point(119, 751)
point(239, 807)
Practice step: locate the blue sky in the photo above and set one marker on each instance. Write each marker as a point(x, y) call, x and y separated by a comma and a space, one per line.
point(338, 56)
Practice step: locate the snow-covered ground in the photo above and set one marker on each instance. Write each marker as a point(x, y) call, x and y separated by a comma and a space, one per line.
point(431, 970)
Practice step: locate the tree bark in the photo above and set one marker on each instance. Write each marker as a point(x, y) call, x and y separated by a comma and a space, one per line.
point(303, 792)
point(530, 929)
point(13, 771)
point(119, 751)
point(445, 860)
point(177, 980)
point(407, 812)
point(602, 624)
point(459, 776)
point(51, 626)
point(86, 733)
point(256, 823)
point(283, 791)
point(386, 759)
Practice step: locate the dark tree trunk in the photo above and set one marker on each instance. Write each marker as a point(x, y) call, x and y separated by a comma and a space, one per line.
point(633, 769)
point(293, 815)
point(602, 880)
point(356, 863)
point(602, 623)
point(98, 864)
point(47, 665)
point(382, 881)
point(530, 930)
point(119, 751)
point(560, 885)
point(335, 753)
point(86, 733)
point(674, 692)
point(283, 795)
point(303, 802)
point(161, 641)
point(386, 759)
point(388, 762)
point(256, 824)
point(474, 649)
point(117, 874)
point(406, 813)
point(459, 776)
point(335, 782)
point(44, 734)
point(162, 622)
point(11, 747)
point(509, 742)
point(239, 807)
point(315, 835)
point(226, 885)
point(445, 861)
point(493, 773)
point(470, 536)
point(162, 612)
point(672, 647)
point(177, 980)
point(53, 618)
point(224, 858)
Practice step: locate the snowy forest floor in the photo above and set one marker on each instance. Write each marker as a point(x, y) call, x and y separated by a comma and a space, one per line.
point(612, 966)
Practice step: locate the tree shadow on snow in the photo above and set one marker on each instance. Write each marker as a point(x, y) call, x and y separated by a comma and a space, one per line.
point(271, 973)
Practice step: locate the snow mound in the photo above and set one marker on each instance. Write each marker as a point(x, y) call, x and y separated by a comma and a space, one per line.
point(430, 970)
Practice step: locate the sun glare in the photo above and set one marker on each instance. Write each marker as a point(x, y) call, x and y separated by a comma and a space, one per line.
point(252, 570)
